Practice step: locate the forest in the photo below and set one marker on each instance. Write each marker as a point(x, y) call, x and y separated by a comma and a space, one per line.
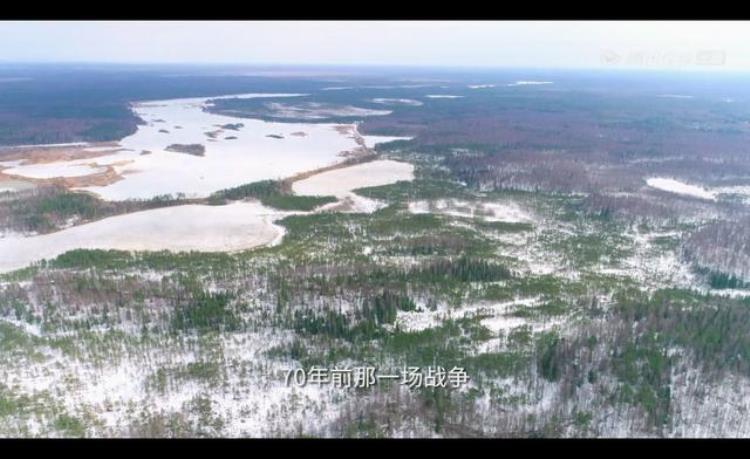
point(528, 249)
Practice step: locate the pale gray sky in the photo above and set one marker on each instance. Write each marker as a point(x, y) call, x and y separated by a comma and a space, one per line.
point(707, 45)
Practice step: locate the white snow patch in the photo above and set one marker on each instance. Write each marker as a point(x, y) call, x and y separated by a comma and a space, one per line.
point(31, 329)
point(529, 83)
point(489, 211)
point(413, 321)
point(318, 111)
point(386, 101)
point(55, 169)
point(341, 183)
point(14, 186)
point(675, 186)
point(675, 96)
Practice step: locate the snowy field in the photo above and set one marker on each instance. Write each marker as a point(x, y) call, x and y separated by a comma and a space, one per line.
point(341, 183)
point(231, 227)
point(14, 185)
point(489, 211)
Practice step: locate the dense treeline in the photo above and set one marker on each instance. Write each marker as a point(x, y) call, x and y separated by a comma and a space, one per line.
point(53, 103)
point(641, 341)
point(271, 193)
point(724, 248)
point(205, 311)
point(48, 208)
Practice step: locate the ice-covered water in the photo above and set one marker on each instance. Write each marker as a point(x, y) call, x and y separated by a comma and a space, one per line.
point(231, 227)
point(257, 150)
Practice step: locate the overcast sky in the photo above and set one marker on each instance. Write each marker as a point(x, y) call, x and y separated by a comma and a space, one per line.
point(673, 45)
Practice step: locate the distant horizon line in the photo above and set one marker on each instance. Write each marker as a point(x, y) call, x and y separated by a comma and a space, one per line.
point(328, 65)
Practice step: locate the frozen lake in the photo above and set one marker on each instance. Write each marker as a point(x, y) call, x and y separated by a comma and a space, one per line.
point(237, 151)
point(232, 227)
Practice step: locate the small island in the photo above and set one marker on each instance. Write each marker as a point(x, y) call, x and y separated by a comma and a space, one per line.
point(232, 126)
point(194, 149)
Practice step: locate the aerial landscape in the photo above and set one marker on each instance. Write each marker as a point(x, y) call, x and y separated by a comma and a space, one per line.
point(389, 251)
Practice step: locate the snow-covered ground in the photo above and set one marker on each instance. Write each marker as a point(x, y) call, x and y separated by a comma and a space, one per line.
point(741, 191)
point(700, 191)
point(253, 402)
point(386, 101)
point(489, 211)
point(442, 96)
point(498, 316)
point(62, 169)
point(14, 185)
point(318, 111)
point(675, 186)
point(529, 83)
point(341, 183)
point(232, 227)
point(652, 266)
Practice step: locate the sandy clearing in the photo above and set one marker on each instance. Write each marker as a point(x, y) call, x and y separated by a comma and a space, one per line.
point(228, 228)
point(67, 175)
point(54, 153)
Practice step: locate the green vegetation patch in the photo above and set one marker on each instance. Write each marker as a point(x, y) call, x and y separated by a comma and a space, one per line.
point(204, 312)
point(270, 193)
